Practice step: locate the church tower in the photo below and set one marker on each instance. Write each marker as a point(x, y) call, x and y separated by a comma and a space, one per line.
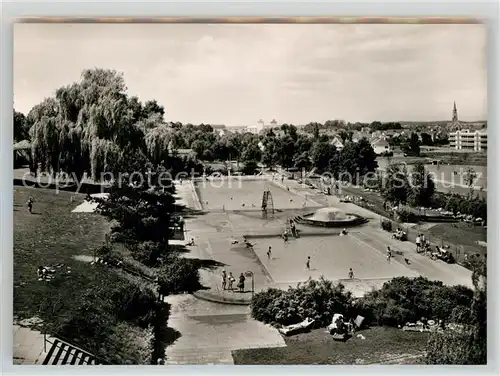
point(454, 118)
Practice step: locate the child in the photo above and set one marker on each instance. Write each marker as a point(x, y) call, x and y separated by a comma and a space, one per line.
point(231, 280)
point(224, 280)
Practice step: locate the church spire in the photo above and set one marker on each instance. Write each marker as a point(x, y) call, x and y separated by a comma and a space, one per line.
point(455, 112)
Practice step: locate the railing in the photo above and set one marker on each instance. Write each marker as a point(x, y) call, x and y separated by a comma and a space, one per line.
point(56, 336)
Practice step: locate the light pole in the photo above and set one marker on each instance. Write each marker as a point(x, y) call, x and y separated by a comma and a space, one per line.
point(250, 274)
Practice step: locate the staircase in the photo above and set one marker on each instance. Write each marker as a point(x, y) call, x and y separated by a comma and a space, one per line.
point(62, 353)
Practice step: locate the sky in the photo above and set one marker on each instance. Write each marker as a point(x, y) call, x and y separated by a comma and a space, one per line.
point(236, 74)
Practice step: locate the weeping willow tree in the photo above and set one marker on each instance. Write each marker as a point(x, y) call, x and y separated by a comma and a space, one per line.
point(157, 142)
point(85, 127)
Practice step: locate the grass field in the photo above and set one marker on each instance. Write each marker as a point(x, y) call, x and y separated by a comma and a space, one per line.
point(317, 347)
point(50, 236)
point(81, 303)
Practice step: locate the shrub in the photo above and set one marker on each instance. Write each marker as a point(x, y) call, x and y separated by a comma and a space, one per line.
point(405, 299)
point(108, 254)
point(250, 168)
point(386, 225)
point(147, 253)
point(316, 299)
point(262, 304)
point(407, 216)
point(99, 319)
point(179, 275)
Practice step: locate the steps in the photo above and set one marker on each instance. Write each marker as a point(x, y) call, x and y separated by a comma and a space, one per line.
point(62, 353)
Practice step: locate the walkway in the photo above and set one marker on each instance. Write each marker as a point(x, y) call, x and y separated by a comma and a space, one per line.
point(210, 332)
point(27, 346)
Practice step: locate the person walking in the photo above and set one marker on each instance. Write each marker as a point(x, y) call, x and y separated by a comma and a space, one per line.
point(224, 280)
point(351, 274)
point(308, 263)
point(241, 283)
point(389, 254)
point(269, 253)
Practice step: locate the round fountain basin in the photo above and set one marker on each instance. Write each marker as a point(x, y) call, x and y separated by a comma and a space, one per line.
point(331, 217)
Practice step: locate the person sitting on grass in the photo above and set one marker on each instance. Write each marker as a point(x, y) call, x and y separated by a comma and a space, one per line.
point(30, 204)
point(191, 242)
point(344, 232)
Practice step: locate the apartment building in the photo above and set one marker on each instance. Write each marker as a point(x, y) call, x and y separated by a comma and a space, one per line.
point(469, 140)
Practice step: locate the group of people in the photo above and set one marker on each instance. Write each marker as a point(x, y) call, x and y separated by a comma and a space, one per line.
point(422, 243)
point(228, 281)
point(399, 234)
point(45, 273)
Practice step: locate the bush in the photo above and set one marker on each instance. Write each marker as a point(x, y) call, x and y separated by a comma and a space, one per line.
point(262, 303)
point(108, 253)
point(147, 253)
point(386, 225)
point(99, 319)
point(405, 299)
point(407, 216)
point(179, 275)
point(316, 299)
point(250, 168)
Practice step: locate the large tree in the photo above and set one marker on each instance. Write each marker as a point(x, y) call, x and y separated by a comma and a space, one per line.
point(395, 186)
point(140, 201)
point(422, 186)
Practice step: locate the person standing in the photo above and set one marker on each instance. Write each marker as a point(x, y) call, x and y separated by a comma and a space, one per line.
point(389, 254)
point(351, 274)
point(308, 263)
point(269, 253)
point(30, 204)
point(241, 283)
point(224, 280)
point(230, 280)
point(417, 242)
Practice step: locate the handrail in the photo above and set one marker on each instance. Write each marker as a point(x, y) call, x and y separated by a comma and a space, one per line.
point(57, 336)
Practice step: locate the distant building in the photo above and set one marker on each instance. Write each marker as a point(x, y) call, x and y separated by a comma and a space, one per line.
point(455, 123)
point(380, 146)
point(337, 142)
point(466, 139)
point(469, 140)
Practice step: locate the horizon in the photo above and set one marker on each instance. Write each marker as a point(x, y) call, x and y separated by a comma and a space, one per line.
point(237, 74)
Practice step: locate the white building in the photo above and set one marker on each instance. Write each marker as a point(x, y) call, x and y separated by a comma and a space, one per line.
point(380, 146)
point(469, 140)
point(337, 142)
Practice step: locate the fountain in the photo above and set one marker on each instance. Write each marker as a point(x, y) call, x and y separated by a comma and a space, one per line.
point(330, 217)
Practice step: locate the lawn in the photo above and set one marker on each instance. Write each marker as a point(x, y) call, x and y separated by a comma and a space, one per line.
point(50, 236)
point(382, 345)
point(53, 236)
